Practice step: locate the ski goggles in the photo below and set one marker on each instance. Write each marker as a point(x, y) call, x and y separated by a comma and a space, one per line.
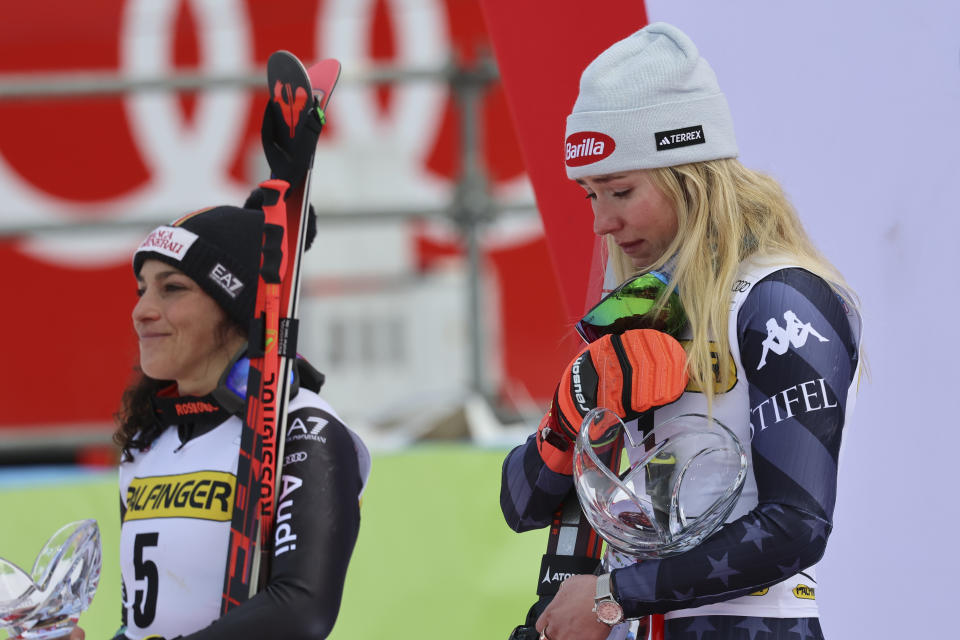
point(633, 305)
point(231, 391)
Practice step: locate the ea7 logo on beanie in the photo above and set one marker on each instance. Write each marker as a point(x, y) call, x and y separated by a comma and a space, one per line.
point(679, 138)
point(586, 147)
point(229, 282)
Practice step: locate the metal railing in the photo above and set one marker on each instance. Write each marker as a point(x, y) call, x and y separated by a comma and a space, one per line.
point(472, 206)
point(41, 85)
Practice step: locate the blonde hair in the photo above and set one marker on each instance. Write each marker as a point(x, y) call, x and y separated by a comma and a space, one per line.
point(725, 213)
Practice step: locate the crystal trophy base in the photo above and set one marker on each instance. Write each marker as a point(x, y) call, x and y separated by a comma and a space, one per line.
point(677, 485)
point(47, 602)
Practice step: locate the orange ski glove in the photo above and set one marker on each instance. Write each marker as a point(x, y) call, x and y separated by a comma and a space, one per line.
point(628, 374)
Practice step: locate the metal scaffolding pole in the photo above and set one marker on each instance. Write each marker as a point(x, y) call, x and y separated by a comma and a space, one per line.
point(79, 84)
point(473, 207)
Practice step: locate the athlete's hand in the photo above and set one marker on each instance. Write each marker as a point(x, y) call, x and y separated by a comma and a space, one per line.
point(290, 161)
point(570, 615)
point(628, 374)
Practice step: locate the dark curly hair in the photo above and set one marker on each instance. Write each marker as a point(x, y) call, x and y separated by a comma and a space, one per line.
point(137, 423)
point(137, 426)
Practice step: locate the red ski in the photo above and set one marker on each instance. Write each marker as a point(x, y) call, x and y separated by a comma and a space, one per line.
point(292, 121)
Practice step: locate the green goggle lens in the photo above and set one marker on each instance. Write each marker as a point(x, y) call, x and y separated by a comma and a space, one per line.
point(631, 306)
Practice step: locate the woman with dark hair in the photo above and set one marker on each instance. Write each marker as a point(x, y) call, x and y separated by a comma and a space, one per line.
point(180, 432)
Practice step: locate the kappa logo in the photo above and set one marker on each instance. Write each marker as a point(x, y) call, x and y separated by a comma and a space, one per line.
point(779, 339)
point(676, 138)
point(227, 281)
point(556, 576)
point(586, 147)
point(299, 431)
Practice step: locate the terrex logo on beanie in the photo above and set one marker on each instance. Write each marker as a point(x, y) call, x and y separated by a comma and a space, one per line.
point(679, 137)
point(586, 147)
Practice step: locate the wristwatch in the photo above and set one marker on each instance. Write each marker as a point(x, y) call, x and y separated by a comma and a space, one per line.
point(607, 609)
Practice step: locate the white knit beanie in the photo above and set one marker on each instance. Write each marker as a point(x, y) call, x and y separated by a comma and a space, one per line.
point(648, 101)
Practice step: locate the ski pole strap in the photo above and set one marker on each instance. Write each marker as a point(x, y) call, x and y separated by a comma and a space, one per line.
point(256, 338)
point(272, 253)
point(274, 228)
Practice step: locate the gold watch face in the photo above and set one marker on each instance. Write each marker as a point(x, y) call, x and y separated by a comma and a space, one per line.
point(609, 612)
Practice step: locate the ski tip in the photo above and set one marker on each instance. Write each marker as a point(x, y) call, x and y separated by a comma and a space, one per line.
point(283, 63)
point(323, 78)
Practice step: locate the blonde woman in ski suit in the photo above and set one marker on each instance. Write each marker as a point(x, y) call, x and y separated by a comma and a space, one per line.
point(771, 350)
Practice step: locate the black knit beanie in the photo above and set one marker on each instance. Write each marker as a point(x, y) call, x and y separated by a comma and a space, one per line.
point(219, 249)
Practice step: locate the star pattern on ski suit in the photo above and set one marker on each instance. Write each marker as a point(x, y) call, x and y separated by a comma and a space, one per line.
point(722, 569)
point(817, 528)
point(790, 570)
point(753, 627)
point(699, 627)
point(802, 627)
point(774, 507)
point(754, 533)
point(685, 595)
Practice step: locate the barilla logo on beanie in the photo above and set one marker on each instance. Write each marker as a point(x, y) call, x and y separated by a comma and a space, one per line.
point(173, 242)
point(586, 147)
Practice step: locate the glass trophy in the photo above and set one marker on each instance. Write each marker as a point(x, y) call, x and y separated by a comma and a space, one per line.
point(47, 602)
point(661, 493)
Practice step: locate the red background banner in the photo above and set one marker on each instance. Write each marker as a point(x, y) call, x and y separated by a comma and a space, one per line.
point(541, 54)
point(69, 320)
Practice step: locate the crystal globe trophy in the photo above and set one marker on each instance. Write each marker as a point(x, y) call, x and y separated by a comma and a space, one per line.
point(47, 602)
point(679, 482)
